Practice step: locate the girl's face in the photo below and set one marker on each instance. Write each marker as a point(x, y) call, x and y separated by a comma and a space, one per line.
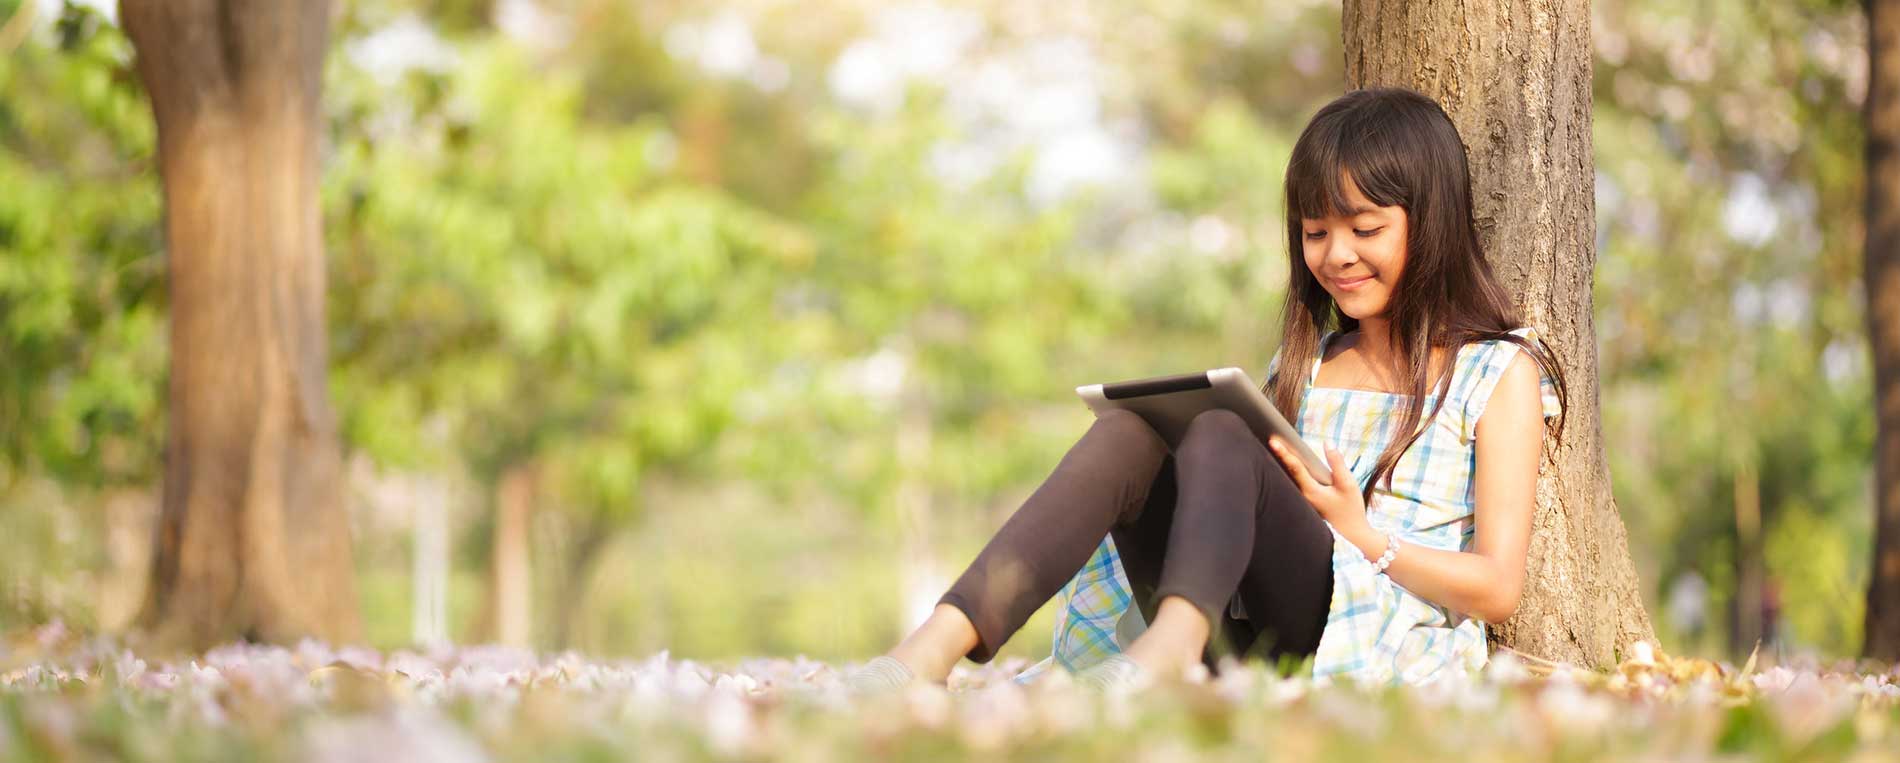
point(1357, 256)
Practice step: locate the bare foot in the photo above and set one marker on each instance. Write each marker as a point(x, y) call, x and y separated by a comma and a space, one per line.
point(936, 646)
point(1174, 641)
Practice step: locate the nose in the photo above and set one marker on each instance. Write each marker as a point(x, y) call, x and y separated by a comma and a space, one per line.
point(1339, 254)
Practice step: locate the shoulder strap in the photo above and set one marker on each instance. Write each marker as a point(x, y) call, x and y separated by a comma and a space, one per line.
point(1482, 371)
point(1319, 357)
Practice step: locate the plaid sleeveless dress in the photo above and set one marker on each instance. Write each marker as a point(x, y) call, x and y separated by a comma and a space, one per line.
point(1376, 631)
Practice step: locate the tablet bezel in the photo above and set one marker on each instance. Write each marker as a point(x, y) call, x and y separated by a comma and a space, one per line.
point(1169, 403)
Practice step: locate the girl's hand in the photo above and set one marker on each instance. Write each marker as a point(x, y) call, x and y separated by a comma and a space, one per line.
point(1339, 503)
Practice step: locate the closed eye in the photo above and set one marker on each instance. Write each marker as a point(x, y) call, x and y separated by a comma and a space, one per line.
point(1368, 233)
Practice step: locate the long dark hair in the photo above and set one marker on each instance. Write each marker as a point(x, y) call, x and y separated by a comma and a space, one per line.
point(1401, 149)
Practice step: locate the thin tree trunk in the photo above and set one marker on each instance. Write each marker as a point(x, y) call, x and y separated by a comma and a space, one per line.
point(583, 550)
point(429, 560)
point(129, 517)
point(252, 540)
point(1515, 77)
point(1882, 278)
point(1750, 576)
point(511, 576)
point(921, 580)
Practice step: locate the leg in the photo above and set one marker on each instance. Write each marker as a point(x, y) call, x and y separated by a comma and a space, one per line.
point(1174, 627)
point(1288, 586)
point(1102, 480)
point(1221, 468)
point(1142, 541)
point(1237, 514)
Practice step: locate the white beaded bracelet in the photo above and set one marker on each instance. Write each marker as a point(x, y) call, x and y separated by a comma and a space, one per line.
point(1391, 552)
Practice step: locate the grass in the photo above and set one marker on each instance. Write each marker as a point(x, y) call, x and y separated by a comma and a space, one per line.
point(64, 697)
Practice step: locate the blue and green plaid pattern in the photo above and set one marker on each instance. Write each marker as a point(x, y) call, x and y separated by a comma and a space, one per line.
point(1094, 600)
point(1376, 631)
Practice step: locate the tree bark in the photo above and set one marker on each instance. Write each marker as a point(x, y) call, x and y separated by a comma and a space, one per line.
point(1515, 77)
point(1882, 279)
point(252, 540)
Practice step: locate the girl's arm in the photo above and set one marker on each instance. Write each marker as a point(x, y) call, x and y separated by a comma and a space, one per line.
point(1486, 582)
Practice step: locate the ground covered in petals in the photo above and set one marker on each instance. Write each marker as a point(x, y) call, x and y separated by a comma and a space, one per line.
point(66, 698)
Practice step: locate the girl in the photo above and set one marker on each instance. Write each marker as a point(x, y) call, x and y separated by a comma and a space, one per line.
point(1415, 375)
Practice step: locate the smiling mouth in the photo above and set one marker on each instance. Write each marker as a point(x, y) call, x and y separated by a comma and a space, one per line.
point(1351, 283)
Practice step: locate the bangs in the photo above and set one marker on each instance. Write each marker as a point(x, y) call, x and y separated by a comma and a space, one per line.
point(1315, 183)
point(1336, 146)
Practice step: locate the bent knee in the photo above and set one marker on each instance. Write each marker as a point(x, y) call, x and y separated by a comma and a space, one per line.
point(1219, 425)
point(1129, 427)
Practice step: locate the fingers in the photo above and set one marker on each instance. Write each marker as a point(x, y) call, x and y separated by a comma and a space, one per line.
point(1294, 467)
point(1336, 461)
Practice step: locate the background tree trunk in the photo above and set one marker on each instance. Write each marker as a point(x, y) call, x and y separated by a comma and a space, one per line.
point(510, 574)
point(429, 560)
point(1882, 119)
point(921, 579)
point(1515, 77)
point(252, 540)
point(1751, 575)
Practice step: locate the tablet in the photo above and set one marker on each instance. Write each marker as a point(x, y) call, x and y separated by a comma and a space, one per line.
point(1168, 403)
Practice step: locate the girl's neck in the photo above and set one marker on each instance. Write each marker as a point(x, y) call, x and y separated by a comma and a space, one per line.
point(1375, 341)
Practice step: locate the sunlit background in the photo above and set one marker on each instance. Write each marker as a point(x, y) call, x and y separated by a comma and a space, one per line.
point(734, 328)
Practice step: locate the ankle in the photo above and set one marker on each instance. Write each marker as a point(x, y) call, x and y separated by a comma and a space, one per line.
point(934, 648)
point(925, 662)
point(1162, 657)
point(1175, 641)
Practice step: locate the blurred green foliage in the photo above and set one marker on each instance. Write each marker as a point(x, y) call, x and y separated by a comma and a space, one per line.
point(759, 327)
point(1729, 304)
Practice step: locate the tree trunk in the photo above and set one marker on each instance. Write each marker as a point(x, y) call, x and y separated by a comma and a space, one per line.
point(429, 560)
point(921, 581)
point(510, 574)
point(1515, 77)
point(252, 540)
point(1750, 572)
point(1882, 279)
point(583, 549)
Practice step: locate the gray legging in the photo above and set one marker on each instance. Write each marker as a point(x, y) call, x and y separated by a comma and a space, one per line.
point(1238, 524)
